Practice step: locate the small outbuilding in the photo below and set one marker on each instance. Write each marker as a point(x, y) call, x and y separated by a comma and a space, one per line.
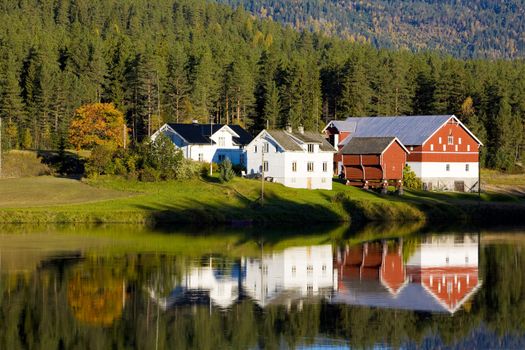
point(373, 161)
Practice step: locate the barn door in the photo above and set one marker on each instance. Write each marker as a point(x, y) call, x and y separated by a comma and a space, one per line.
point(459, 186)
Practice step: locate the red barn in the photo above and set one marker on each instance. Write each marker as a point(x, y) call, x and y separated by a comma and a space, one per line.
point(373, 160)
point(444, 154)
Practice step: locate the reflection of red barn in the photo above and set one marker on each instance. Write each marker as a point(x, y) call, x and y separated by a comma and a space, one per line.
point(450, 285)
point(373, 261)
point(373, 159)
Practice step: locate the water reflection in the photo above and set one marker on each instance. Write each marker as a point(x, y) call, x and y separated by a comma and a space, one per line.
point(439, 276)
point(438, 273)
point(417, 291)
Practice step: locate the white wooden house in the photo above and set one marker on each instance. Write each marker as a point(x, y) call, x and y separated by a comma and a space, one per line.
point(295, 159)
point(208, 142)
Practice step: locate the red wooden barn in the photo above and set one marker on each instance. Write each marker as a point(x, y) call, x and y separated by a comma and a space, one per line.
point(373, 160)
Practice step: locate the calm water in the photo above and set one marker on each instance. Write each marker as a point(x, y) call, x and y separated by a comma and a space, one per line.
point(126, 287)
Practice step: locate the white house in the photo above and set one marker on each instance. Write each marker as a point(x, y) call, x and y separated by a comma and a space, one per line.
point(290, 275)
point(295, 159)
point(208, 142)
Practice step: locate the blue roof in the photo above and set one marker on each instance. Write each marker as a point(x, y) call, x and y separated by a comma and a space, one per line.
point(410, 130)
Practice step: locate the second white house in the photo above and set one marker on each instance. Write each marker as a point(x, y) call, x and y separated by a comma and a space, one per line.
point(299, 159)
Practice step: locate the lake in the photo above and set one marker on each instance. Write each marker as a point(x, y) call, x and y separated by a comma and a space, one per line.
point(103, 287)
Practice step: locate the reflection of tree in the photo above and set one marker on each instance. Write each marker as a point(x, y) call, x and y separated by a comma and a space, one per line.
point(95, 296)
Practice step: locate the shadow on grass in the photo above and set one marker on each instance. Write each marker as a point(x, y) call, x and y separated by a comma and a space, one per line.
point(68, 164)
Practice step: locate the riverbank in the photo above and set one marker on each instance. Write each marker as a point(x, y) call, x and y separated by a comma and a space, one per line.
point(207, 202)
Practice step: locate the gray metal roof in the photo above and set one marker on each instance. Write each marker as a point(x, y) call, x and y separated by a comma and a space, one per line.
point(289, 142)
point(410, 130)
point(367, 145)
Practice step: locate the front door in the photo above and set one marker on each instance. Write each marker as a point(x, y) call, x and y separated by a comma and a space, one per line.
point(459, 186)
point(309, 183)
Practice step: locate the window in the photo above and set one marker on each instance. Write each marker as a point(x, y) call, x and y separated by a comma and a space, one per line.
point(294, 270)
point(265, 166)
point(221, 157)
point(310, 166)
point(447, 167)
point(431, 147)
point(456, 147)
point(459, 140)
point(325, 166)
point(411, 148)
point(467, 167)
point(222, 141)
point(451, 140)
point(444, 148)
point(468, 148)
point(201, 157)
point(266, 147)
point(310, 148)
point(255, 149)
point(294, 166)
point(439, 140)
point(323, 180)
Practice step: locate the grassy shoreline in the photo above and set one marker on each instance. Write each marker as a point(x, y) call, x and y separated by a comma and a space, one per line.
point(208, 202)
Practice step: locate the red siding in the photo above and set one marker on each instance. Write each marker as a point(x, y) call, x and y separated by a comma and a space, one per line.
point(462, 155)
point(394, 159)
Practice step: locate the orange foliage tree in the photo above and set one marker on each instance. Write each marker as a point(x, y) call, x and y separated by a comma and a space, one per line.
point(98, 124)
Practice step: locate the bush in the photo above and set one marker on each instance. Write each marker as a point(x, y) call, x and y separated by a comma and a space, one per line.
point(187, 169)
point(226, 172)
point(410, 180)
point(205, 168)
point(149, 174)
point(100, 161)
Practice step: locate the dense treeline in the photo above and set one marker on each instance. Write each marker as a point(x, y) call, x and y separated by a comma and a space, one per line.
point(178, 60)
point(103, 301)
point(465, 28)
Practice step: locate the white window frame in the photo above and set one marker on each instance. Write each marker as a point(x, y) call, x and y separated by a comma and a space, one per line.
point(459, 140)
point(266, 166)
point(447, 167)
point(311, 148)
point(201, 157)
point(431, 146)
point(468, 148)
point(266, 147)
point(456, 147)
point(467, 167)
point(444, 148)
point(294, 167)
point(310, 167)
point(255, 149)
point(439, 140)
point(450, 140)
point(222, 141)
point(325, 167)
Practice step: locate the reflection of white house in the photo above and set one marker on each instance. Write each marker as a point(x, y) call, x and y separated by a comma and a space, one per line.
point(292, 274)
point(299, 159)
point(440, 276)
point(198, 282)
point(208, 142)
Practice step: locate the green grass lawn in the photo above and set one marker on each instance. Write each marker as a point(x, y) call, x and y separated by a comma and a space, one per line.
point(206, 201)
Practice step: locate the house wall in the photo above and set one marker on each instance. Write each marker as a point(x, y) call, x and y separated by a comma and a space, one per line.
point(280, 165)
point(429, 161)
point(394, 158)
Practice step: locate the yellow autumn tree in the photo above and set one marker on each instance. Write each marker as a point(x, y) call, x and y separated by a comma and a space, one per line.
point(98, 124)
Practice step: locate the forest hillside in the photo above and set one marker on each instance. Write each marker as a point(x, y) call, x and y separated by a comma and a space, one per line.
point(178, 60)
point(464, 28)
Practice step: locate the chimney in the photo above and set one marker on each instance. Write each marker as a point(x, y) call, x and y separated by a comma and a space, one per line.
point(300, 128)
point(288, 128)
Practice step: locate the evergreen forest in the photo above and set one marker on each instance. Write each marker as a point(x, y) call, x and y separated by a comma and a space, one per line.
point(463, 28)
point(181, 60)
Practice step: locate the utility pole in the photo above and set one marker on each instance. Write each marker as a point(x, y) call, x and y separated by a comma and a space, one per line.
point(0, 147)
point(262, 174)
point(211, 145)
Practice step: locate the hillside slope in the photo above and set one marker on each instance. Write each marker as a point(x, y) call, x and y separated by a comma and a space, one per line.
point(464, 28)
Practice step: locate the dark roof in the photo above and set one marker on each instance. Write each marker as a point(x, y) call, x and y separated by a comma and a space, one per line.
point(410, 130)
point(367, 145)
point(288, 140)
point(200, 133)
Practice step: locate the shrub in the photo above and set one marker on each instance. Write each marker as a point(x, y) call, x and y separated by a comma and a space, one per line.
point(100, 161)
point(226, 172)
point(410, 180)
point(205, 168)
point(187, 169)
point(149, 174)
